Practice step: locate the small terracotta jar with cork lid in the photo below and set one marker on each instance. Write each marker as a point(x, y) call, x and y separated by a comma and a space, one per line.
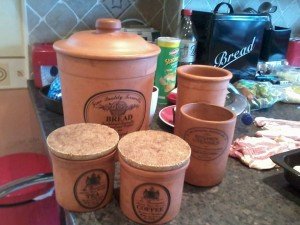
point(153, 165)
point(83, 165)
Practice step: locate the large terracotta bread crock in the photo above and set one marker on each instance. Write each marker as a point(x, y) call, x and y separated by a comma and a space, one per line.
point(107, 77)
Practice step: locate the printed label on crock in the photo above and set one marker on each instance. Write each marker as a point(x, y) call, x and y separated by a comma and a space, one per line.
point(122, 110)
point(91, 188)
point(206, 143)
point(151, 202)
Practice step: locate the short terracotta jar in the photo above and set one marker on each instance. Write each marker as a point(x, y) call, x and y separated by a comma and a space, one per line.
point(107, 77)
point(153, 165)
point(83, 165)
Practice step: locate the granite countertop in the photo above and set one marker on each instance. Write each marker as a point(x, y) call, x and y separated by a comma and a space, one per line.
point(246, 196)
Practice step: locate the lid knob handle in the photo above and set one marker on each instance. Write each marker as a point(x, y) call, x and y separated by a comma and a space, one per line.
point(108, 24)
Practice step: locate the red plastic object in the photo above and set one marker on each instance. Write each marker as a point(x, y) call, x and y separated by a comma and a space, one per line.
point(172, 96)
point(42, 55)
point(293, 56)
point(19, 207)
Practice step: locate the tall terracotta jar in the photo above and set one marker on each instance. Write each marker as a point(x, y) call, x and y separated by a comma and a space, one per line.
point(83, 165)
point(153, 165)
point(200, 83)
point(107, 77)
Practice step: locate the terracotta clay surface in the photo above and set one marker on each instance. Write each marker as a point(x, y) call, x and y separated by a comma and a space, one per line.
point(154, 150)
point(107, 42)
point(209, 130)
point(107, 77)
point(83, 165)
point(153, 165)
point(149, 197)
point(200, 83)
point(82, 141)
point(83, 186)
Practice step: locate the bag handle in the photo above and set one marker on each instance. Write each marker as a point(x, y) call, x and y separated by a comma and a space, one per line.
point(221, 4)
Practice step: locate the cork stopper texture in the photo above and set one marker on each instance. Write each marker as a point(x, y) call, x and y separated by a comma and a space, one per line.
point(154, 150)
point(82, 141)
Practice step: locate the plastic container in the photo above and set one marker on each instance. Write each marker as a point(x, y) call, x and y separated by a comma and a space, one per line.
point(153, 165)
point(107, 77)
point(165, 75)
point(44, 64)
point(26, 196)
point(188, 42)
point(293, 52)
point(83, 165)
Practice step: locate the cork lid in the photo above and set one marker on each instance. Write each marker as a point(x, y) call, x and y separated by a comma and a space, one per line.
point(154, 150)
point(107, 42)
point(82, 141)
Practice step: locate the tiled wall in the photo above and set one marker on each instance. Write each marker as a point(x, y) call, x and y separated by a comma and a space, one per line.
point(287, 14)
point(49, 20)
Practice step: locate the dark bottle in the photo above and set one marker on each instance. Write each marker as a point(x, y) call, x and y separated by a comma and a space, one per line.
point(188, 43)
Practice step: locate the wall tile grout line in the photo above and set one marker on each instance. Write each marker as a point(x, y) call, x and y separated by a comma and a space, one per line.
point(154, 17)
point(40, 19)
point(77, 18)
point(81, 19)
point(141, 14)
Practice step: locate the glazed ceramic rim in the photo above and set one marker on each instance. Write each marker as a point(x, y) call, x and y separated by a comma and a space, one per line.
point(76, 157)
point(182, 72)
point(231, 119)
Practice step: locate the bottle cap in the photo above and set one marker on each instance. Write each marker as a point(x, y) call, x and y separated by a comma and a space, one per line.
point(186, 12)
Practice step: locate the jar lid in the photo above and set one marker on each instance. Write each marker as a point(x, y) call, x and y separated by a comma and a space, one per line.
point(106, 42)
point(83, 141)
point(154, 150)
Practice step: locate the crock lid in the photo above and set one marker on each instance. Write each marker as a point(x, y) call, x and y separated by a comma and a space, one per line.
point(21, 165)
point(83, 141)
point(154, 150)
point(106, 42)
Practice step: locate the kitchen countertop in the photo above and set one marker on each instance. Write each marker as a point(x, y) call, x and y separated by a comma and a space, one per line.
point(246, 196)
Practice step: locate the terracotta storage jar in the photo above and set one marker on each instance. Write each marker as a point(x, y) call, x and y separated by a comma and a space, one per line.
point(83, 165)
point(107, 77)
point(209, 130)
point(153, 165)
point(200, 83)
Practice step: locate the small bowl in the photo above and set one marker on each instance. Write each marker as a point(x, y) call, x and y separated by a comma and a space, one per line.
point(287, 160)
point(51, 104)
